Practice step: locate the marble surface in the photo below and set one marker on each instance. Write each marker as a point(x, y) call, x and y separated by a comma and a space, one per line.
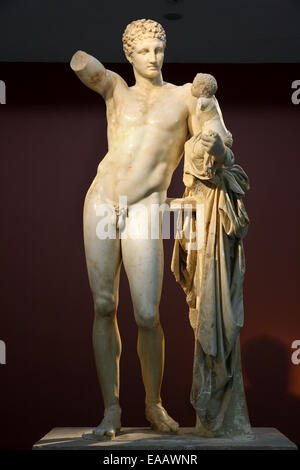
point(70, 438)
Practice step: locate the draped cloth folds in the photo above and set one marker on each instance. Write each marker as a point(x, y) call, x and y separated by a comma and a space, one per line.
point(212, 278)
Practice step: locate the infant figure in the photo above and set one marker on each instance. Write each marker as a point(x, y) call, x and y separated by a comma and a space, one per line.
point(198, 163)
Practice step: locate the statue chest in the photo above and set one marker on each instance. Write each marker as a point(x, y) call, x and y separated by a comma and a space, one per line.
point(161, 112)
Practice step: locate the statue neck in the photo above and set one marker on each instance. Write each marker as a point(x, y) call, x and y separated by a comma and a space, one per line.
point(147, 84)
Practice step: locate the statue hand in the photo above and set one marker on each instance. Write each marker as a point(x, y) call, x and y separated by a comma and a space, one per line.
point(213, 144)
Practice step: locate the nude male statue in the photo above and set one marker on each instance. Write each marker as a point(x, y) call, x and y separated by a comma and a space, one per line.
point(148, 125)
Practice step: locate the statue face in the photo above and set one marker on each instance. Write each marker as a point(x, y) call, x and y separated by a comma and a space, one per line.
point(147, 57)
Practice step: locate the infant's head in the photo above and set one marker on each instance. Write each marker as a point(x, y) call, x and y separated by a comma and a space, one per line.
point(204, 86)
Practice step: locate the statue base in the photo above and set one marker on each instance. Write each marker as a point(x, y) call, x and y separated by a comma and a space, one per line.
point(68, 438)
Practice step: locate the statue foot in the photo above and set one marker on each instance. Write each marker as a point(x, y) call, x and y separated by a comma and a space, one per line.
point(110, 424)
point(160, 420)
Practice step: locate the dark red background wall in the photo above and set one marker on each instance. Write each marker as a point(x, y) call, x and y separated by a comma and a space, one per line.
point(52, 136)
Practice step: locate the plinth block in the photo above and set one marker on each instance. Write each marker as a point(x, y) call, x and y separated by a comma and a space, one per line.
point(70, 438)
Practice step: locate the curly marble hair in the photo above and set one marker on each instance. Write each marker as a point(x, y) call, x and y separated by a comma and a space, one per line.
point(141, 29)
point(204, 85)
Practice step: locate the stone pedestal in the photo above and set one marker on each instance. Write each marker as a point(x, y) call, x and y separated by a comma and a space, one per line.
point(146, 439)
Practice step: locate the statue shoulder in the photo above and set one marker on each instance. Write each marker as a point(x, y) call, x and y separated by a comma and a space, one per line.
point(186, 89)
point(189, 99)
point(116, 78)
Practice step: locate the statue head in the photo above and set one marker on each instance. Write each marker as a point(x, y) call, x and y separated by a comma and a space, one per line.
point(204, 85)
point(144, 42)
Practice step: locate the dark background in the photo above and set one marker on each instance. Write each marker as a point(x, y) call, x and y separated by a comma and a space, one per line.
point(52, 137)
point(53, 134)
point(231, 31)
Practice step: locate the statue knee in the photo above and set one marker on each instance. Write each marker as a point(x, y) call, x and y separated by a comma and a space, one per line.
point(147, 319)
point(105, 306)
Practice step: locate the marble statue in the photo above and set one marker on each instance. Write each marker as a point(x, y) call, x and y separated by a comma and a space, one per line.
point(149, 125)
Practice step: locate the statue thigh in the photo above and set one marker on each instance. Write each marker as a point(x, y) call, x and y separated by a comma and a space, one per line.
point(103, 259)
point(143, 260)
